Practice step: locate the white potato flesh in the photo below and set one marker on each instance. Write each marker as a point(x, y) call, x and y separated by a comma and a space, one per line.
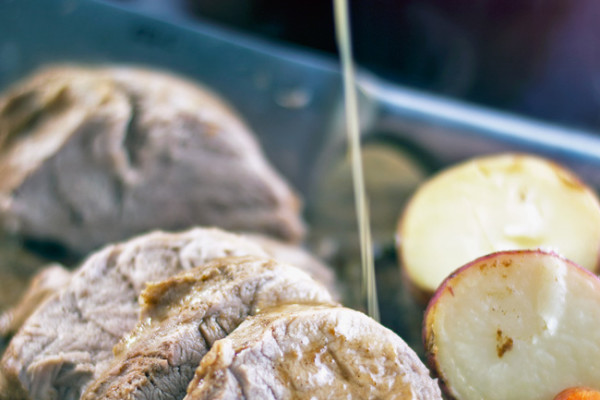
point(496, 203)
point(515, 325)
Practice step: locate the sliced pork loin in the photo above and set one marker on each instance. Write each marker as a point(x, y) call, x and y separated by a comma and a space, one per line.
point(44, 284)
point(299, 257)
point(68, 340)
point(54, 277)
point(303, 352)
point(184, 315)
point(90, 156)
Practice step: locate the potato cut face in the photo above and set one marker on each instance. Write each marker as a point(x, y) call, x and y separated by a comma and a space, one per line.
point(497, 203)
point(515, 325)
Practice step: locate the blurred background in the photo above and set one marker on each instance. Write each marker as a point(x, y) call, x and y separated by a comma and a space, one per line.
point(538, 58)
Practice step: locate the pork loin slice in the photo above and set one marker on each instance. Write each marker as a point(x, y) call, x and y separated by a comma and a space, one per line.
point(303, 352)
point(68, 340)
point(54, 277)
point(299, 257)
point(183, 316)
point(90, 156)
point(44, 284)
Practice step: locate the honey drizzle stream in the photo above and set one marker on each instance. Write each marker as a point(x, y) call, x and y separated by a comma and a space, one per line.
point(342, 27)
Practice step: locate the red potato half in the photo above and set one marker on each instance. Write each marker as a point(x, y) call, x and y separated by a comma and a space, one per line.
point(520, 325)
point(496, 203)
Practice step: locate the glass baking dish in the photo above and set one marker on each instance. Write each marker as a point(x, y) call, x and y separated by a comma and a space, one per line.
point(292, 98)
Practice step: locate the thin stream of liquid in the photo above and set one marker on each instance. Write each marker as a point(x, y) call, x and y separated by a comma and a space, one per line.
point(369, 287)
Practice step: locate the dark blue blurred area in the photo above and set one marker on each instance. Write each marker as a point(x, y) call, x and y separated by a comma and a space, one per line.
point(539, 58)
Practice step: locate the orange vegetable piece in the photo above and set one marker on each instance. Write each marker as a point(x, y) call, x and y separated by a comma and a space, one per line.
point(578, 393)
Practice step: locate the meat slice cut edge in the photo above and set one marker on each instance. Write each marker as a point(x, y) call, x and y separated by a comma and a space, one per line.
point(320, 352)
point(184, 315)
point(68, 340)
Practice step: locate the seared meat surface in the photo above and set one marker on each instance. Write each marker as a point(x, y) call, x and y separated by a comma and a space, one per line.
point(303, 352)
point(90, 156)
point(184, 315)
point(43, 285)
point(68, 340)
point(208, 312)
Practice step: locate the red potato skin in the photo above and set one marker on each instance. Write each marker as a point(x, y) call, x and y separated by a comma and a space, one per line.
point(447, 287)
point(422, 295)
